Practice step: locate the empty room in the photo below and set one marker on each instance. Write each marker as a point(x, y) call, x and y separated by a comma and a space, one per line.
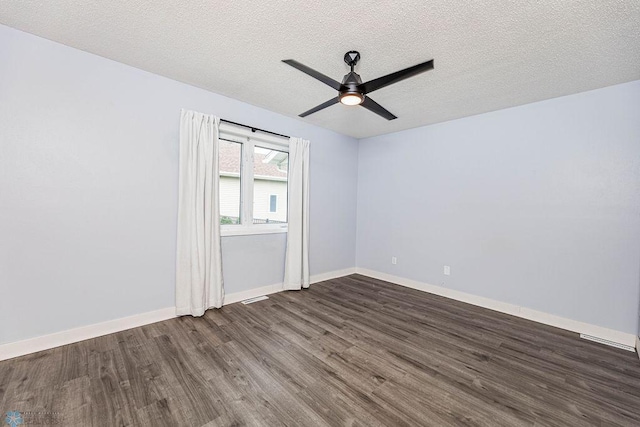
point(373, 213)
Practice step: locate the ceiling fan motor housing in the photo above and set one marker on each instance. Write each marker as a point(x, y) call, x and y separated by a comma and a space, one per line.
point(349, 86)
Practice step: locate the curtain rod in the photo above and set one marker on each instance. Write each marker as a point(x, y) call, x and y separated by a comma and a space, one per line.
point(253, 128)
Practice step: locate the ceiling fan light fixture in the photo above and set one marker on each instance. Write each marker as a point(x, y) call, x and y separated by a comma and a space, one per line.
point(351, 98)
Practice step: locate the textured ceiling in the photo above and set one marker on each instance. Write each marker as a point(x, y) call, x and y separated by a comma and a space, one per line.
point(488, 54)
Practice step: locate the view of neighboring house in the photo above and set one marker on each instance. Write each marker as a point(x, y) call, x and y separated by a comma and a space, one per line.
point(270, 184)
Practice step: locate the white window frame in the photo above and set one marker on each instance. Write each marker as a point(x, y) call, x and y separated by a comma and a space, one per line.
point(249, 140)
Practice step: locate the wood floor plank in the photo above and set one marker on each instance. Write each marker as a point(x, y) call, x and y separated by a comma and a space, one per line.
point(351, 351)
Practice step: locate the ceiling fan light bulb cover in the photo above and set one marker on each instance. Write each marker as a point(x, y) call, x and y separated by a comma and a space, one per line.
point(352, 99)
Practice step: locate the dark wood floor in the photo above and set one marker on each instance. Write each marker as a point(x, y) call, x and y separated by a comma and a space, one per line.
point(352, 351)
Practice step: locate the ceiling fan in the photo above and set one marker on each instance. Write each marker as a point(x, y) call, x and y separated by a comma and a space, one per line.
point(352, 91)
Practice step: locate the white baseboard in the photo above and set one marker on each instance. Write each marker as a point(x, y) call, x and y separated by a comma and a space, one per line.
point(332, 275)
point(638, 346)
point(272, 289)
point(252, 293)
point(45, 342)
point(512, 309)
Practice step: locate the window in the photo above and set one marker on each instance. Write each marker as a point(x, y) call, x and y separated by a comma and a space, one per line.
point(273, 203)
point(230, 161)
point(253, 181)
point(269, 182)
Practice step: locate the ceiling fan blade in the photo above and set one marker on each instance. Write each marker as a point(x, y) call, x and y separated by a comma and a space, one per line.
point(392, 78)
point(313, 73)
point(322, 106)
point(372, 105)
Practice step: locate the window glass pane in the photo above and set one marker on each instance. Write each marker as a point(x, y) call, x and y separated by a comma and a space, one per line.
point(230, 166)
point(269, 186)
point(273, 203)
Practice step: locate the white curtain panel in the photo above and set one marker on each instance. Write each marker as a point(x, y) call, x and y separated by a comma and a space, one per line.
point(296, 267)
point(199, 283)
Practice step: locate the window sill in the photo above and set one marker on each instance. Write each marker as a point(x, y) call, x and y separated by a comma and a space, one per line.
point(226, 231)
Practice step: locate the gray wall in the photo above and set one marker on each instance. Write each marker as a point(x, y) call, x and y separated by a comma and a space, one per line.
point(537, 205)
point(88, 190)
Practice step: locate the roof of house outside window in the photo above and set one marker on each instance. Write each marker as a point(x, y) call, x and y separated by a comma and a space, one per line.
point(265, 164)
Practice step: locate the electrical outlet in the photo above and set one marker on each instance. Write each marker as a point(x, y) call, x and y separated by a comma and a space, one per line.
point(447, 270)
point(394, 260)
